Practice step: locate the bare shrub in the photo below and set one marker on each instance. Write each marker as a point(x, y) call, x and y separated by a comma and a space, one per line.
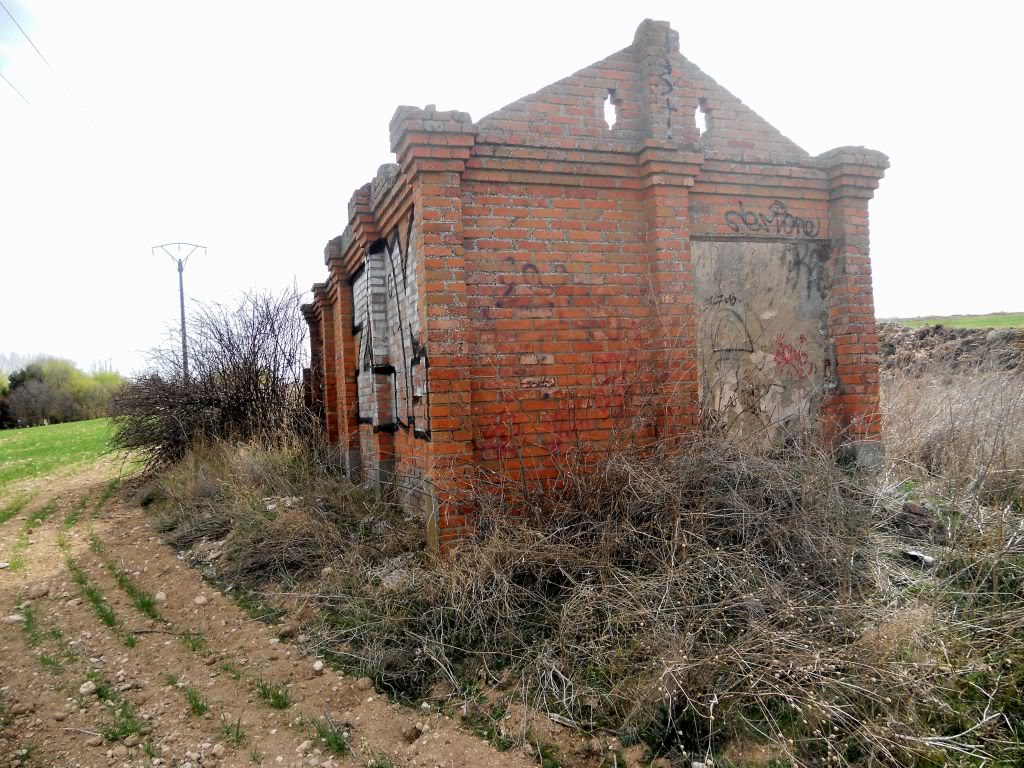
point(244, 384)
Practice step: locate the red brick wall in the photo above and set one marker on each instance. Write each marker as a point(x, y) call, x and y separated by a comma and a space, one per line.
point(552, 285)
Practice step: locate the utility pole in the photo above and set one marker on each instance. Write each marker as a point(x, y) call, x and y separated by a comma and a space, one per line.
point(181, 261)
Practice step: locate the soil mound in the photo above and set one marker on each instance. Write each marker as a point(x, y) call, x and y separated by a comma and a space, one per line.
point(936, 347)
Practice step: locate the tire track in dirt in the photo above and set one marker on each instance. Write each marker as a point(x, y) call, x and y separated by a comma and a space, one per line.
point(382, 732)
point(161, 650)
point(385, 728)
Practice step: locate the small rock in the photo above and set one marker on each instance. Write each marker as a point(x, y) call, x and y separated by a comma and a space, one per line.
point(94, 741)
point(364, 684)
point(88, 688)
point(131, 741)
point(304, 746)
point(37, 591)
point(59, 716)
point(14, 618)
point(218, 750)
point(318, 666)
point(160, 597)
point(919, 557)
point(22, 708)
point(201, 600)
point(120, 751)
point(4, 565)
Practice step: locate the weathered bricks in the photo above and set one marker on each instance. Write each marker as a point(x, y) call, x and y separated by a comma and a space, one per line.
point(518, 287)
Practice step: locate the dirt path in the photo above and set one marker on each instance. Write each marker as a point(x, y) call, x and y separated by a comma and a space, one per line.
point(113, 652)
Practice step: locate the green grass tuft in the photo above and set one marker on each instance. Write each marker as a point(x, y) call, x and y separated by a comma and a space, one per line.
point(195, 642)
point(108, 490)
point(331, 737)
point(41, 515)
point(233, 731)
point(141, 599)
point(73, 514)
point(30, 626)
point(52, 663)
point(99, 603)
point(276, 696)
point(14, 507)
point(233, 672)
point(196, 704)
point(125, 724)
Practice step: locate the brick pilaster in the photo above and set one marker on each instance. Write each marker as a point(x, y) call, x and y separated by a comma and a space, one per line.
point(311, 313)
point(853, 173)
point(345, 362)
point(324, 295)
point(432, 148)
point(667, 102)
point(667, 173)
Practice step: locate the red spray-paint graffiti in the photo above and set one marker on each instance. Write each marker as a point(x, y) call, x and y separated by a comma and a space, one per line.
point(792, 361)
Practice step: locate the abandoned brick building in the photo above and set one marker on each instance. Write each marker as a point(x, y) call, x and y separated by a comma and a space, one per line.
point(546, 277)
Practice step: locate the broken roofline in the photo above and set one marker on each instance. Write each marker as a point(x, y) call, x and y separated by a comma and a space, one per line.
point(657, 93)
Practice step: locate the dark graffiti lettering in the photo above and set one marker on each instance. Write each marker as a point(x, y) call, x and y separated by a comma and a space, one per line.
point(778, 221)
point(719, 299)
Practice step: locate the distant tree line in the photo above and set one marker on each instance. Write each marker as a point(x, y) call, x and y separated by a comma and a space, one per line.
point(49, 390)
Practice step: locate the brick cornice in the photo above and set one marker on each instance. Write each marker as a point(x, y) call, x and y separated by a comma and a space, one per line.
point(853, 171)
point(426, 140)
point(665, 163)
point(321, 295)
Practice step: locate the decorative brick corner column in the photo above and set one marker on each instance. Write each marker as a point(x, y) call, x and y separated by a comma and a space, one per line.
point(344, 359)
point(666, 174)
point(432, 148)
point(853, 174)
point(323, 293)
point(315, 397)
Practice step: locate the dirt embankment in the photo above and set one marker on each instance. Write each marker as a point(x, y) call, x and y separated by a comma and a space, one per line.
point(935, 347)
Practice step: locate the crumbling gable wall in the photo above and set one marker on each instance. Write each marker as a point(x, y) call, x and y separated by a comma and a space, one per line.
point(542, 280)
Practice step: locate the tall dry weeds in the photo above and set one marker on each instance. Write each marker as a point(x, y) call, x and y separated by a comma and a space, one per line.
point(708, 595)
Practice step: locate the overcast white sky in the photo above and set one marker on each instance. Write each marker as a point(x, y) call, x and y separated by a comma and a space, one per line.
point(245, 126)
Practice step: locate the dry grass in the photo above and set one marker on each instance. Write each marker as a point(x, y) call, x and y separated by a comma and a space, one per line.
point(713, 600)
point(963, 433)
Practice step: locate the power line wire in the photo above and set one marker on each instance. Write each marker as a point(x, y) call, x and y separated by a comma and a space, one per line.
point(23, 32)
point(15, 89)
point(45, 61)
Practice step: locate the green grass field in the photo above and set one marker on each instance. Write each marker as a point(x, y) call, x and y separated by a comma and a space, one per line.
point(40, 450)
point(998, 320)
